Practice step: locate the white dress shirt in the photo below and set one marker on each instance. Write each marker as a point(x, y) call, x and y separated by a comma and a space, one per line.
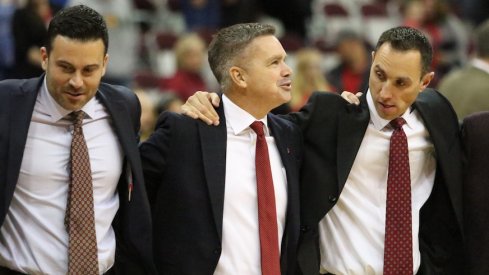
point(240, 237)
point(33, 237)
point(352, 233)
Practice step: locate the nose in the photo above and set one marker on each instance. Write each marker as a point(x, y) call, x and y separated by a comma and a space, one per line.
point(286, 71)
point(76, 80)
point(385, 91)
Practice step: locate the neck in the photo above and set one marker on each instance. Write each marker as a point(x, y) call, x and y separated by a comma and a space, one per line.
point(254, 106)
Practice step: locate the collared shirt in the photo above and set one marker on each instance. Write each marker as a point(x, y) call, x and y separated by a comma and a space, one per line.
point(352, 233)
point(240, 237)
point(33, 237)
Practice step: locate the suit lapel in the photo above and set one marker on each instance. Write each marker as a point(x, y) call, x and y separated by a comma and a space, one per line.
point(213, 140)
point(283, 145)
point(20, 114)
point(120, 117)
point(443, 144)
point(351, 129)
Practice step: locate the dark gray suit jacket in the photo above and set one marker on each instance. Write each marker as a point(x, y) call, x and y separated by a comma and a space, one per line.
point(132, 223)
point(333, 131)
point(184, 167)
point(475, 134)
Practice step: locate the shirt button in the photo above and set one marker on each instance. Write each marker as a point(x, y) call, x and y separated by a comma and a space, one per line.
point(332, 199)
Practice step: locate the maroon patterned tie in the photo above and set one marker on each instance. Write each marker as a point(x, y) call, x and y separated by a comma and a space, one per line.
point(79, 219)
point(267, 215)
point(398, 250)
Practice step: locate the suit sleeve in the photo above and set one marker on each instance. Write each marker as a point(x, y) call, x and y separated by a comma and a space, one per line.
point(154, 154)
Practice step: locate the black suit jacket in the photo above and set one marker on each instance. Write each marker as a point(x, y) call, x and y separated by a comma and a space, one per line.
point(475, 134)
point(132, 223)
point(184, 167)
point(333, 131)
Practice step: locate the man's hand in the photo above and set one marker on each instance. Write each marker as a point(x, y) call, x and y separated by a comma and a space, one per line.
point(352, 98)
point(201, 106)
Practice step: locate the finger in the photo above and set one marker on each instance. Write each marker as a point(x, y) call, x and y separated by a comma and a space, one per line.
point(354, 99)
point(205, 106)
point(194, 113)
point(215, 99)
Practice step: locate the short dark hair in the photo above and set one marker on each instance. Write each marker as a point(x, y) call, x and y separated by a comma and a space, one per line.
point(229, 43)
point(482, 39)
point(405, 39)
point(79, 23)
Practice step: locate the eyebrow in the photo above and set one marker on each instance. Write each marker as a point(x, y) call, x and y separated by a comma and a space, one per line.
point(90, 66)
point(278, 56)
point(404, 78)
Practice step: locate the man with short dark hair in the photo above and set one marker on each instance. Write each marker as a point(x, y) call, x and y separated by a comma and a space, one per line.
point(74, 200)
point(225, 200)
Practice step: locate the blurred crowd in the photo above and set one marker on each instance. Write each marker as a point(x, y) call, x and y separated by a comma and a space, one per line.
point(159, 47)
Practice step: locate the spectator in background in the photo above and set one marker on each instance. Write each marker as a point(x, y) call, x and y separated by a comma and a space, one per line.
point(468, 88)
point(7, 9)
point(353, 71)
point(201, 14)
point(447, 33)
point(123, 32)
point(148, 113)
point(308, 77)
point(168, 102)
point(190, 53)
point(29, 29)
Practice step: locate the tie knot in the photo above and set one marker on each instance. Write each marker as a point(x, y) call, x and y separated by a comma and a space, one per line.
point(397, 123)
point(257, 126)
point(77, 117)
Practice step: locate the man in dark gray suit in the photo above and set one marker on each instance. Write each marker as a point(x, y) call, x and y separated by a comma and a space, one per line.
point(35, 143)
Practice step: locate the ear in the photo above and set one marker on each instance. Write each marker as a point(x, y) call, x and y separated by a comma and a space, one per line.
point(373, 54)
point(238, 76)
point(44, 58)
point(425, 81)
point(104, 64)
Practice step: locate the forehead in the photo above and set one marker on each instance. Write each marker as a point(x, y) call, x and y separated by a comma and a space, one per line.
point(266, 45)
point(66, 48)
point(398, 63)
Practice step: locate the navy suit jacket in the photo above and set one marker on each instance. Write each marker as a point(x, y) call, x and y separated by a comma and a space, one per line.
point(132, 223)
point(333, 131)
point(184, 167)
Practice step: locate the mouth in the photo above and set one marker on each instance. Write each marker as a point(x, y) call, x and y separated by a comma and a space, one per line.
point(74, 95)
point(285, 84)
point(387, 107)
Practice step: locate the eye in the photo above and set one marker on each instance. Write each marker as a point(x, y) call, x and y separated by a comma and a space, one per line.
point(401, 83)
point(379, 75)
point(66, 68)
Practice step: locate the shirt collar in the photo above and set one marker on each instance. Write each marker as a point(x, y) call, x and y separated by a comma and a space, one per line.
point(238, 119)
point(380, 123)
point(55, 111)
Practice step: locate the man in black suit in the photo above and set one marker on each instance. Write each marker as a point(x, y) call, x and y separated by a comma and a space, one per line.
point(475, 135)
point(35, 146)
point(204, 194)
point(347, 153)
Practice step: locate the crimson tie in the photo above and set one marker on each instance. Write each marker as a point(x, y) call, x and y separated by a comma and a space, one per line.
point(79, 219)
point(267, 215)
point(398, 250)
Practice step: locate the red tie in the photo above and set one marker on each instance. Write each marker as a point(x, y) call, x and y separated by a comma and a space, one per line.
point(398, 250)
point(267, 215)
point(79, 219)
